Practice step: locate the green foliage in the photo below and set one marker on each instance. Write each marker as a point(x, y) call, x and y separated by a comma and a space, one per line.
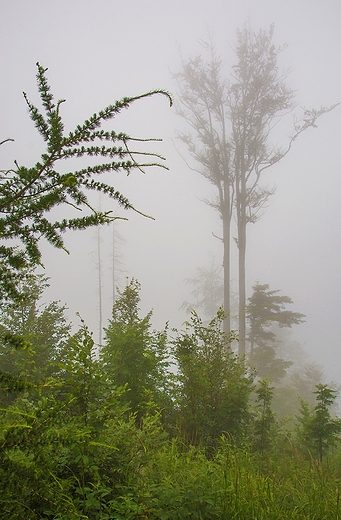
point(180, 483)
point(73, 452)
point(32, 335)
point(185, 485)
point(74, 448)
point(84, 433)
point(318, 431)
point(265, 308)
point(81, 374)
point(214, 385)
point(135, 356)
point(28, 194)
point(264, 421)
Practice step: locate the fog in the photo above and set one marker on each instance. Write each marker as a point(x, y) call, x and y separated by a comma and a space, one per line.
point(98, 52)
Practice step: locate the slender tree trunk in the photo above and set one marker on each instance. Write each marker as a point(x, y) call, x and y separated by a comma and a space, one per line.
point(100, 306)
point(242, 290)
point(113, 265)
point(241, 217)
point(226, 217)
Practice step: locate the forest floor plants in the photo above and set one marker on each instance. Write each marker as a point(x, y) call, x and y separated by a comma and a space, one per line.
point(236, 484)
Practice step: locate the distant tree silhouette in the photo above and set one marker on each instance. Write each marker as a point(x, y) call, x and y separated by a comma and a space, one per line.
point(231, 124)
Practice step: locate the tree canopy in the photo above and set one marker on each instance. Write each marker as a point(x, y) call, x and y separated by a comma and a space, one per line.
point(230, 136)
point(265, 308)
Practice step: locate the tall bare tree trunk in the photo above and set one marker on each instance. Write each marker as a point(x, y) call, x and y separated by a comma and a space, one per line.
point(241, 219)
point(113, 265)
point(100, 299)
point(242, 285)
point(250, 105)
point(226, 217)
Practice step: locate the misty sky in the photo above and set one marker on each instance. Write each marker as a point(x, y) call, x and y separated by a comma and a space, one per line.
point(100, 51)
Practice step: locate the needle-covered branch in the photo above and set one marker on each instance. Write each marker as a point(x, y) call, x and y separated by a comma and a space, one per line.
point(27, 195)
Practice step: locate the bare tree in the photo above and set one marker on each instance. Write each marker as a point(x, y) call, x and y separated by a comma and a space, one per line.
point(232, 124)
point(117, 259)
point(203, 95)
point(100, 285)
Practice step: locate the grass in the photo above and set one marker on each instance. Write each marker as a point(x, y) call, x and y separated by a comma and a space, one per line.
point(237, 485)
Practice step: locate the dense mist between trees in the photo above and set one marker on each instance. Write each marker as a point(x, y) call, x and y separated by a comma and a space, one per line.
point(169, 259)
point(293, 247)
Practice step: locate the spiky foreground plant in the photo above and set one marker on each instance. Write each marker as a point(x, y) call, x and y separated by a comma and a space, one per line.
point(27, 195)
